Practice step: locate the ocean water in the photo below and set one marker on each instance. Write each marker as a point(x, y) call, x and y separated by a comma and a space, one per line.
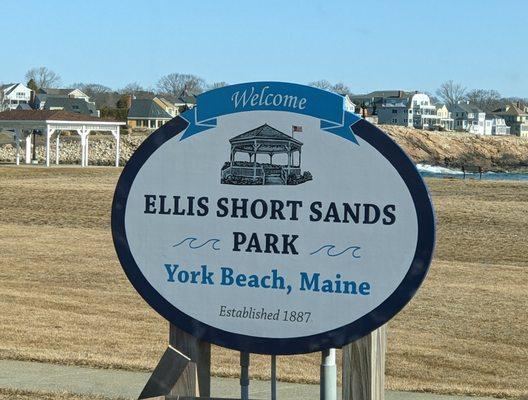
point(442, 172)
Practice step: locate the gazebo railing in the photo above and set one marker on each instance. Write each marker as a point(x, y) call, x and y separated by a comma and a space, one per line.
point(260, 171)
point(247, 172)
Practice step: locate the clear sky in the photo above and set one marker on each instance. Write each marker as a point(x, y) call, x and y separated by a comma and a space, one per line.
point(368, 45)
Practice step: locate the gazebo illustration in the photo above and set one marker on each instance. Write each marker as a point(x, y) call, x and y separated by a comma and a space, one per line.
point(265, 141)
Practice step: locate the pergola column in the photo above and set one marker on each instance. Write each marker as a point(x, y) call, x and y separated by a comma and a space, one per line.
point(118, 146)
point(49, 132)
point(81, 133)
point(17, 141)
point(28, 148)
point(87, 133)
point(57, 148)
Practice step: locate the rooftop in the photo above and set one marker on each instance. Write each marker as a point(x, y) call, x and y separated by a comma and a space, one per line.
point(185, 97)
point(468, 107)
point(264, 132)
point(145, 109)
point(70, 104)
point(48, 115)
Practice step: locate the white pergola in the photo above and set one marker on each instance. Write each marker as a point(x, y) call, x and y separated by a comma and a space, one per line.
point(24, 122)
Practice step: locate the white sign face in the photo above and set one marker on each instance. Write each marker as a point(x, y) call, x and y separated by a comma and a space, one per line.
point(266, 228)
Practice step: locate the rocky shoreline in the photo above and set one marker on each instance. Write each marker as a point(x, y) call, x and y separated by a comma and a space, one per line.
point(457, 149)
point(451, 149)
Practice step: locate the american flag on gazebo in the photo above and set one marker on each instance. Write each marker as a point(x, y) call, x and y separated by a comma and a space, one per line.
point(296, 128)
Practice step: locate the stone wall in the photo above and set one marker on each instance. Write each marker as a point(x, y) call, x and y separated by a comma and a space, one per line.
point(101, 150)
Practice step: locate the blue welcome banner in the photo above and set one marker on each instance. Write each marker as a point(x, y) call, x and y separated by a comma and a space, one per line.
point(274, 96)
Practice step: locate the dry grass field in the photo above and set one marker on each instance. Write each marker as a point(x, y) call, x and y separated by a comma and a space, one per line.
point(64, 298)
point(6, 394)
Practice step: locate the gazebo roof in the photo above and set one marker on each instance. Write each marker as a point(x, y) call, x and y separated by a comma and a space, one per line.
point(264, 132)
point(50, 115)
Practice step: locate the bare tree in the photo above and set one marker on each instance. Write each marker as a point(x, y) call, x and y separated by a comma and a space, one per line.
point(137, 91)
point(450, 93)
point(338, 87)
point(216, 85)
point(341, 88)
point(102, 95)
point(43, 77)
point(321, 84)
point(172, 85)
point(92, 89)
point(132, 88)
point(486, 100)
point(433, 98)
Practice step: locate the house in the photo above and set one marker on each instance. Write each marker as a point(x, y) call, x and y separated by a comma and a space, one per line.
point(445, 121)
point(516, 117)
point(415, 111)
point(169, 107)
point(468, 118)
point(349, 105)
point(496, 125)
point(185, 101)
point(70, 104)
point(147, 113)
point(13, 94)
point(42, 95)
point(373, 100)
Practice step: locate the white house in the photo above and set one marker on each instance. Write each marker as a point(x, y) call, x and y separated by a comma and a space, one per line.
point(349, 105)
point(469, 118)
point(413, 111)
point(13, 94)
point(496, 125)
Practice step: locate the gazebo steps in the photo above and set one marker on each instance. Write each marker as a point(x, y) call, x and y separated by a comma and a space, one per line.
point(274, 180)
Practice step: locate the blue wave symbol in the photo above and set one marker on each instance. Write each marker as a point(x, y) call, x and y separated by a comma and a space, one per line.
point(330, 247)
point(191, 240)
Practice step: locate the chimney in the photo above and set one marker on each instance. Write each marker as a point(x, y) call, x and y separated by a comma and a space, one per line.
point(32, 99)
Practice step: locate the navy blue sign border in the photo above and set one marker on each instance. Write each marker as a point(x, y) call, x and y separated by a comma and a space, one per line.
point(335, 338)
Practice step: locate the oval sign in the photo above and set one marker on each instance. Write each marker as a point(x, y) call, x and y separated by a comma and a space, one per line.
point(271, 219)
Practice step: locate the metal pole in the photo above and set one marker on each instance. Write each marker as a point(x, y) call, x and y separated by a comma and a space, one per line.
point(328, 375)
point(273, 377)
point(244, 375)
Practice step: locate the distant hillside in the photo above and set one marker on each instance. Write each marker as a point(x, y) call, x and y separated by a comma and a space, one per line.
point(425, 147)
point(490, 152)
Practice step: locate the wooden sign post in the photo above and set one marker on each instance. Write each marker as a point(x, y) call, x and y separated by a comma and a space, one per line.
point(237, 240)
point(184, 368)
point(363, 372)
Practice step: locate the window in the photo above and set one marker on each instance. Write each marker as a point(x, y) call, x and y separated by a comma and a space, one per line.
point(394, 111)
